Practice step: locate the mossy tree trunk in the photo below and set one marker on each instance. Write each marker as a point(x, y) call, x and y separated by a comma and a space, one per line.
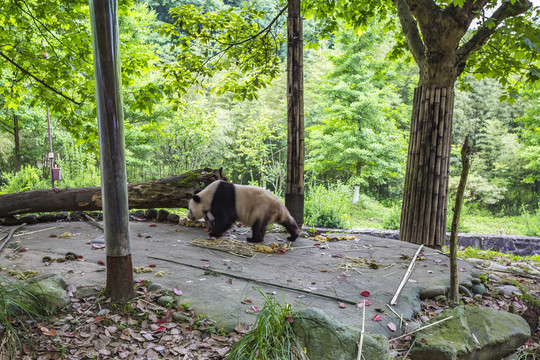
point(171, 192)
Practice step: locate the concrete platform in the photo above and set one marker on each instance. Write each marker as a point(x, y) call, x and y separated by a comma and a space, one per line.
point(327, 269)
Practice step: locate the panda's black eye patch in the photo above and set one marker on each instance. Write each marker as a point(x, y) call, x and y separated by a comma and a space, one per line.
point(196, 198)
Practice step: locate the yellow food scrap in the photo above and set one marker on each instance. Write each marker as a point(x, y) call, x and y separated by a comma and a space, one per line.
point(141, 269)
point(160, 273)
point(346, 237)
point(22, 275)
point(264, 249)
point(321, 238)
point(66, 235)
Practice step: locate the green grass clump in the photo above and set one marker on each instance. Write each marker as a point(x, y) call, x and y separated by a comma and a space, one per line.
point(471, 252)
point(272, 336)
point(13, 313)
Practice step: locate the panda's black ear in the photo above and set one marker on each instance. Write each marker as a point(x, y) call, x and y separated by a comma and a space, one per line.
point(197, 191)
point(196, 198)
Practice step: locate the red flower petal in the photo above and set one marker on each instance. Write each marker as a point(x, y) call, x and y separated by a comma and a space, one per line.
point(365, 293)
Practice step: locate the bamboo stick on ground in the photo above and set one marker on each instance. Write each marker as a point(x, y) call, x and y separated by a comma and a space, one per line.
point(258, 281)
point(10, 235)
point(407, 275)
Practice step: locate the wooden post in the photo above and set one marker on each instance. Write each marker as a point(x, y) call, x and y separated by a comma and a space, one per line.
point(294, 193)
point(106, 43)
point(454, 283)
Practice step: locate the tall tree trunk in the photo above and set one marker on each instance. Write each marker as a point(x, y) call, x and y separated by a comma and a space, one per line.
point(294, 193)
point(423, 215)
point(17, 143)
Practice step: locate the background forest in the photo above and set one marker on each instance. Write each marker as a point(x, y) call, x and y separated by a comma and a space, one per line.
point(358, 97)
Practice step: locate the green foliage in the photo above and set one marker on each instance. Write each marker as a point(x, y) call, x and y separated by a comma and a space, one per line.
point(471, 252)
point(272, 336)
point(328, 206)
point(354, 134)
point(29, 178)
point(532, 222)
point(228, 40)
point(78, 168)
point(392, 218)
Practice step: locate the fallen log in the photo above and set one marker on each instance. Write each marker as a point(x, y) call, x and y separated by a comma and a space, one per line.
point(171, 192)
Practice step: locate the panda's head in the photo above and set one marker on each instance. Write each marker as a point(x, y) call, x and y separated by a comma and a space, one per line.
point(196, 208)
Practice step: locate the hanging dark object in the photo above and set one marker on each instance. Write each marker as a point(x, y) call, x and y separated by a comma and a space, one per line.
point(55, 171)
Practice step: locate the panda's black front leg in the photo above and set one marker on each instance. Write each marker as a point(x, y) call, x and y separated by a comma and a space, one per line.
point(257, 232)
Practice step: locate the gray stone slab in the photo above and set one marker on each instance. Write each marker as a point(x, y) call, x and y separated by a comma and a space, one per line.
point(221, 297)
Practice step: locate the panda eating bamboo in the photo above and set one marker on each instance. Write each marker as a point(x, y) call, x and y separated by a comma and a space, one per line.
point(224, 203)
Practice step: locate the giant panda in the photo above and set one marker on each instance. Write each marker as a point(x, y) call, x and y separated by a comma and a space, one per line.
point(223, 203)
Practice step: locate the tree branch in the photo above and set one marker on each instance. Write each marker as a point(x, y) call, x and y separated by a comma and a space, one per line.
point(39, 80)
point(7, 128)
point(506, 10)
point(410, 29)
point(424, 9)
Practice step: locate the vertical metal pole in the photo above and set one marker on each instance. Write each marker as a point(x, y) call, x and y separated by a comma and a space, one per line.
point(294, 193)
point(104, 20)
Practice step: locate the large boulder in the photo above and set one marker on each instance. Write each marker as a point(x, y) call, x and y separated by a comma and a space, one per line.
point(327, 339)
point(473, 333)
point(41, 294)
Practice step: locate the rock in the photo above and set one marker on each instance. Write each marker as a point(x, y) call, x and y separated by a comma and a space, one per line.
point(173, 218)
point(179, 317)
point(87, 291)
point(498, 333)
point(151, 214)
point(327, 339)
point(432, 292)
point(154, 286)
point(463, 290)
point(62, 216)
point(10, 220)
point(43, 294)
point(29, 219)
point(495, 278)
point(98, 216)
point(508, 290)
point(75, 216)
point(165, 300)
point(467, 283)
point(303, 234)
point(478, 289)
point(476, 281)
point(138, 213)
point(162, 215)
point(440, 298)
point(47, 217)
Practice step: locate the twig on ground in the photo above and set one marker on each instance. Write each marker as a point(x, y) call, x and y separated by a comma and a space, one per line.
point(406, 277)
point(23, 233)
point(422, 328)
point(399, 316)
point(258, 281)
point(10, 235)
point(93, 221)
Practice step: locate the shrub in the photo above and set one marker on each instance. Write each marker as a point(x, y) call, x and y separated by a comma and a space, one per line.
point(29, 178)
point(328, 207)
point(392, 218)
point(532, 222)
